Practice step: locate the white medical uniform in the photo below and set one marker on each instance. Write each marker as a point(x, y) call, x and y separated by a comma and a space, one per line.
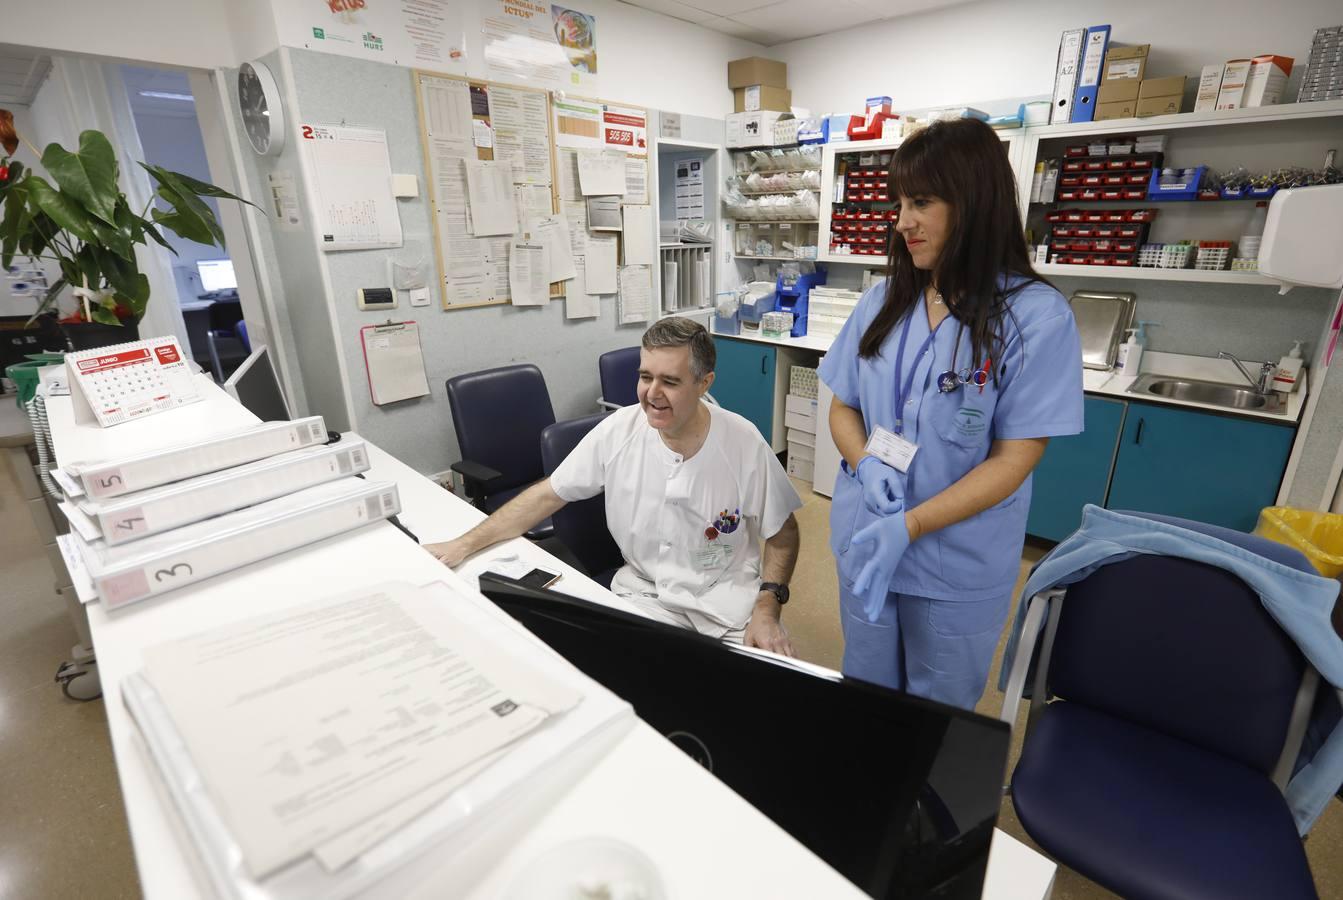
point(689, 529)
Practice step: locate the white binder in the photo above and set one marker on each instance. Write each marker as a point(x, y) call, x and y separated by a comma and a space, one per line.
point(164, 562)
point(143, 513)
point(1065, 74)
point(114, 477)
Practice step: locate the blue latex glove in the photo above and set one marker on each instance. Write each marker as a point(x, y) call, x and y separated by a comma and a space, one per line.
point(883, 489)
point(889, 539)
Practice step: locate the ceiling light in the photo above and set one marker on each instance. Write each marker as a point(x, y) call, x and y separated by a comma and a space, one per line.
point(168, 95)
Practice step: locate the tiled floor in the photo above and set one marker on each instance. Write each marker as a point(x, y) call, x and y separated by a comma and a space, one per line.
point(62, 825)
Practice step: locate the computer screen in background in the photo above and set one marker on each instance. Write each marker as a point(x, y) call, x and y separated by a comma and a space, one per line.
point(255, 385)
point(217, 275)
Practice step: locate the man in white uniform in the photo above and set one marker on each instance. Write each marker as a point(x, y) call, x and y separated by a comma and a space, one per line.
point(691, 490)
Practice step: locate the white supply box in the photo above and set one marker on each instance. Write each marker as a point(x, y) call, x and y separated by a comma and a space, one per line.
point(800, 413)
point(154, 565)
point(160, 509)
point(112, 478)
point(753, 129)
point(798, 436)
point(1209, 84)
point(798, 467)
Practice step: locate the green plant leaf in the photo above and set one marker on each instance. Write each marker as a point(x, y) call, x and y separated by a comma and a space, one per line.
point(204, 189)
point(16, 171)
point(184, 224)
point(36, 232)
point(63, 210)
point(89, 176)
point(12, 225)
point(159, 238)
point(85, 269)
point(125, 277)
point(104, 316)
point(187, 206)
point(117, 241)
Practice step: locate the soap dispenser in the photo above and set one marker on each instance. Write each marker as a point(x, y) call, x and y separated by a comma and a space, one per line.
point(1130, 352)
point(1288, 376)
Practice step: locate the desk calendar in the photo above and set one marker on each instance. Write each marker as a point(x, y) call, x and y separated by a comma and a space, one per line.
point(129, 381)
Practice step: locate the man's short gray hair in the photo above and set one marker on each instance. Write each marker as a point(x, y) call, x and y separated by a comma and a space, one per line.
point(677, 331)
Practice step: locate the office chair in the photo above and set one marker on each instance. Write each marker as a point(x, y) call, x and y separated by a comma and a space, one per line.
point(241, 331)
point(618, 371)
point(1168, 709)
point(499, 415)
point(581, 526)
point(224, 318)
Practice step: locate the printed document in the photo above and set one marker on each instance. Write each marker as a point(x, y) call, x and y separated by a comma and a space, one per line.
point(601, 172)
point(490, 190)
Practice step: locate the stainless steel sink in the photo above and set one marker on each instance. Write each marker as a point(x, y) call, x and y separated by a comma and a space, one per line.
point(1215, 393)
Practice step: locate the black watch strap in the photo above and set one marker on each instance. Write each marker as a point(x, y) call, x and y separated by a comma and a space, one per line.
point(780, 591)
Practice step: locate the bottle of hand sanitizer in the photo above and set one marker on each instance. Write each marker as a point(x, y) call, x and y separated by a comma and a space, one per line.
point(1287, 378)
point(1130, 352)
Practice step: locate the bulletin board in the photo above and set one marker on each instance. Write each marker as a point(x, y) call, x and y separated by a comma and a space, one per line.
point(588, 124)
point(472, 119)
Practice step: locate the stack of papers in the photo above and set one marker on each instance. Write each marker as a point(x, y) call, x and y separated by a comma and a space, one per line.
point(327, 749)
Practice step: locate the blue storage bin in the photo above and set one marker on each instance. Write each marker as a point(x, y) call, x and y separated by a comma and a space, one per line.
point(1184, 189)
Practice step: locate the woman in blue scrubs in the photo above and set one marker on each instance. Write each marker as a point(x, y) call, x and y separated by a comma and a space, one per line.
point(949, 379)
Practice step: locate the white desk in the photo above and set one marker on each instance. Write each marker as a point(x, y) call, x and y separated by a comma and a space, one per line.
point(706, 840)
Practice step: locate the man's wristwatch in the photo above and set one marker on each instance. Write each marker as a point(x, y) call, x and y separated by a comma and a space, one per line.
point(780, 591)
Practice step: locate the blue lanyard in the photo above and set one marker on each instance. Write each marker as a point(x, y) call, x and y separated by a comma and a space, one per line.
point(906, 390)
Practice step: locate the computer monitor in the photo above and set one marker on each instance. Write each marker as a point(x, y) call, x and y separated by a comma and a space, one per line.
point(217, 275)
point(255, 385)
point(897, 793)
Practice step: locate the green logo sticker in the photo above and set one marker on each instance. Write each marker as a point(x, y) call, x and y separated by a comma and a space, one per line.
point(970, 422)
point(319, 33)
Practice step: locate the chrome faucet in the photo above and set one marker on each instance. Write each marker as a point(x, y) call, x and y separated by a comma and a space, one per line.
point(1266, 371)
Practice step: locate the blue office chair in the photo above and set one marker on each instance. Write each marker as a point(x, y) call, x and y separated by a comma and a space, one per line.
point(618, 371)
point(241, 331)
point(1168, 708)
point(225, 315)
point(581, 526)
point(499, 415)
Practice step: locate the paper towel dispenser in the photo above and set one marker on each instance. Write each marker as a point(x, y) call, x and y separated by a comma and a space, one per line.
point(1303, 237)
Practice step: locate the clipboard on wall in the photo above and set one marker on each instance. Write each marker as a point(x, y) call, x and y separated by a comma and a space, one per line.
point(394, 362)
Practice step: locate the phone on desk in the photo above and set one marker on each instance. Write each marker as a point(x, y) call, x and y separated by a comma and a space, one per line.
point(539, 578)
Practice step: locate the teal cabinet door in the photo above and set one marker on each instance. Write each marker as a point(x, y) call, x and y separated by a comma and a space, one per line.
point(1075, 471)
point(744, 381)
point(1199, 466)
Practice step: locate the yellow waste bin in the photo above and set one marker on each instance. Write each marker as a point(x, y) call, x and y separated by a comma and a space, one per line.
point(1316, 534)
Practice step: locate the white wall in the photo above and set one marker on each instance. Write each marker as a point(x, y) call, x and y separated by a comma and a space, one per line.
point(1001, 49)
point(171, 32)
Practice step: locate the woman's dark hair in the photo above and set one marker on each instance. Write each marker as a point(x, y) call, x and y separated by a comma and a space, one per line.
point(964, 163)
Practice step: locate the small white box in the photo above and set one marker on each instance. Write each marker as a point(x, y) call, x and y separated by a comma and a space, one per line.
point(1266, 81)
point(800, 421)
point(752, 129)
point(804, 469)
point(797, 436)
point(1231, 94)
point(801, 451)
point(1209, 83)
point(804, 405)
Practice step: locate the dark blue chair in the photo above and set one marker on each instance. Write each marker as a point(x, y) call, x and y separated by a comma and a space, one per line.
point(581, 526)
point(499, 415)
point(618, 371)
point(225, 316)
point(1167, 711)
point(241, 331)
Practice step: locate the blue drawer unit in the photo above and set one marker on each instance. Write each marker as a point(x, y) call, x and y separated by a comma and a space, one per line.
point(1202, 466)
point(745, 381)
point(1075, 471)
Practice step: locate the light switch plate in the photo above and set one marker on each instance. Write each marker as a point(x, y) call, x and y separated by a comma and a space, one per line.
point(419, 297)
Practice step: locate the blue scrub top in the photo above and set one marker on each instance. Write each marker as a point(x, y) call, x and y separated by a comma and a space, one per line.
point(1038, 394)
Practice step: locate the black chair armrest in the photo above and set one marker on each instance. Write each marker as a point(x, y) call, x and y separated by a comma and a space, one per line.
point(476, 477)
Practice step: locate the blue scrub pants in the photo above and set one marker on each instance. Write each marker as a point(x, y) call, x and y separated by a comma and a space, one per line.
point(938, 649)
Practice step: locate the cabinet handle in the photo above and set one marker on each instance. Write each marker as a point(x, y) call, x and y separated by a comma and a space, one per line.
point(1137, 438)
point(763, 360)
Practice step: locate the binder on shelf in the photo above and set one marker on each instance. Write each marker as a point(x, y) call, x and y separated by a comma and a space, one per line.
point(173, 559)
point(1089, 73)
point(138, 515)
point(1065, 74)
point(115, 477)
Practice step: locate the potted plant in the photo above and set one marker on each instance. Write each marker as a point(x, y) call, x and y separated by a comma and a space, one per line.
point(83, 223)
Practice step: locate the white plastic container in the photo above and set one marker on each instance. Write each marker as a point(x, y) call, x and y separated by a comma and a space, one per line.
point(1288, 376)
point(1302, 235)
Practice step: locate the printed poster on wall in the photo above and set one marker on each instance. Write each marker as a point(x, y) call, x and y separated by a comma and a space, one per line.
point(422, 33)
point(540, 43)
point(591, 125)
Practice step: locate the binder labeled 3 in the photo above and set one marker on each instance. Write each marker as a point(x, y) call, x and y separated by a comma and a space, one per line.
point(394, 361)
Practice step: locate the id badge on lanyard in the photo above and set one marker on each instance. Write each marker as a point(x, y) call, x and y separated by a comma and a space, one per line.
point(891, 448)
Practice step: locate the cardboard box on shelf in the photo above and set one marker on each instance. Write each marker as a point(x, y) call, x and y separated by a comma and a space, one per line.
point(1125, 64)
point(1161, 87)
point(1118, 91)
point(1158, 106)
point(752, 129)
point(1118, 109)
point(1267, 80)
point(758, 97)
point(1209, 83)
point(1232, 91)
point(757, 70)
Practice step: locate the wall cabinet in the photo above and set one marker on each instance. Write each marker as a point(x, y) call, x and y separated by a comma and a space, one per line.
point(744, 382)
point(1179, 462)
